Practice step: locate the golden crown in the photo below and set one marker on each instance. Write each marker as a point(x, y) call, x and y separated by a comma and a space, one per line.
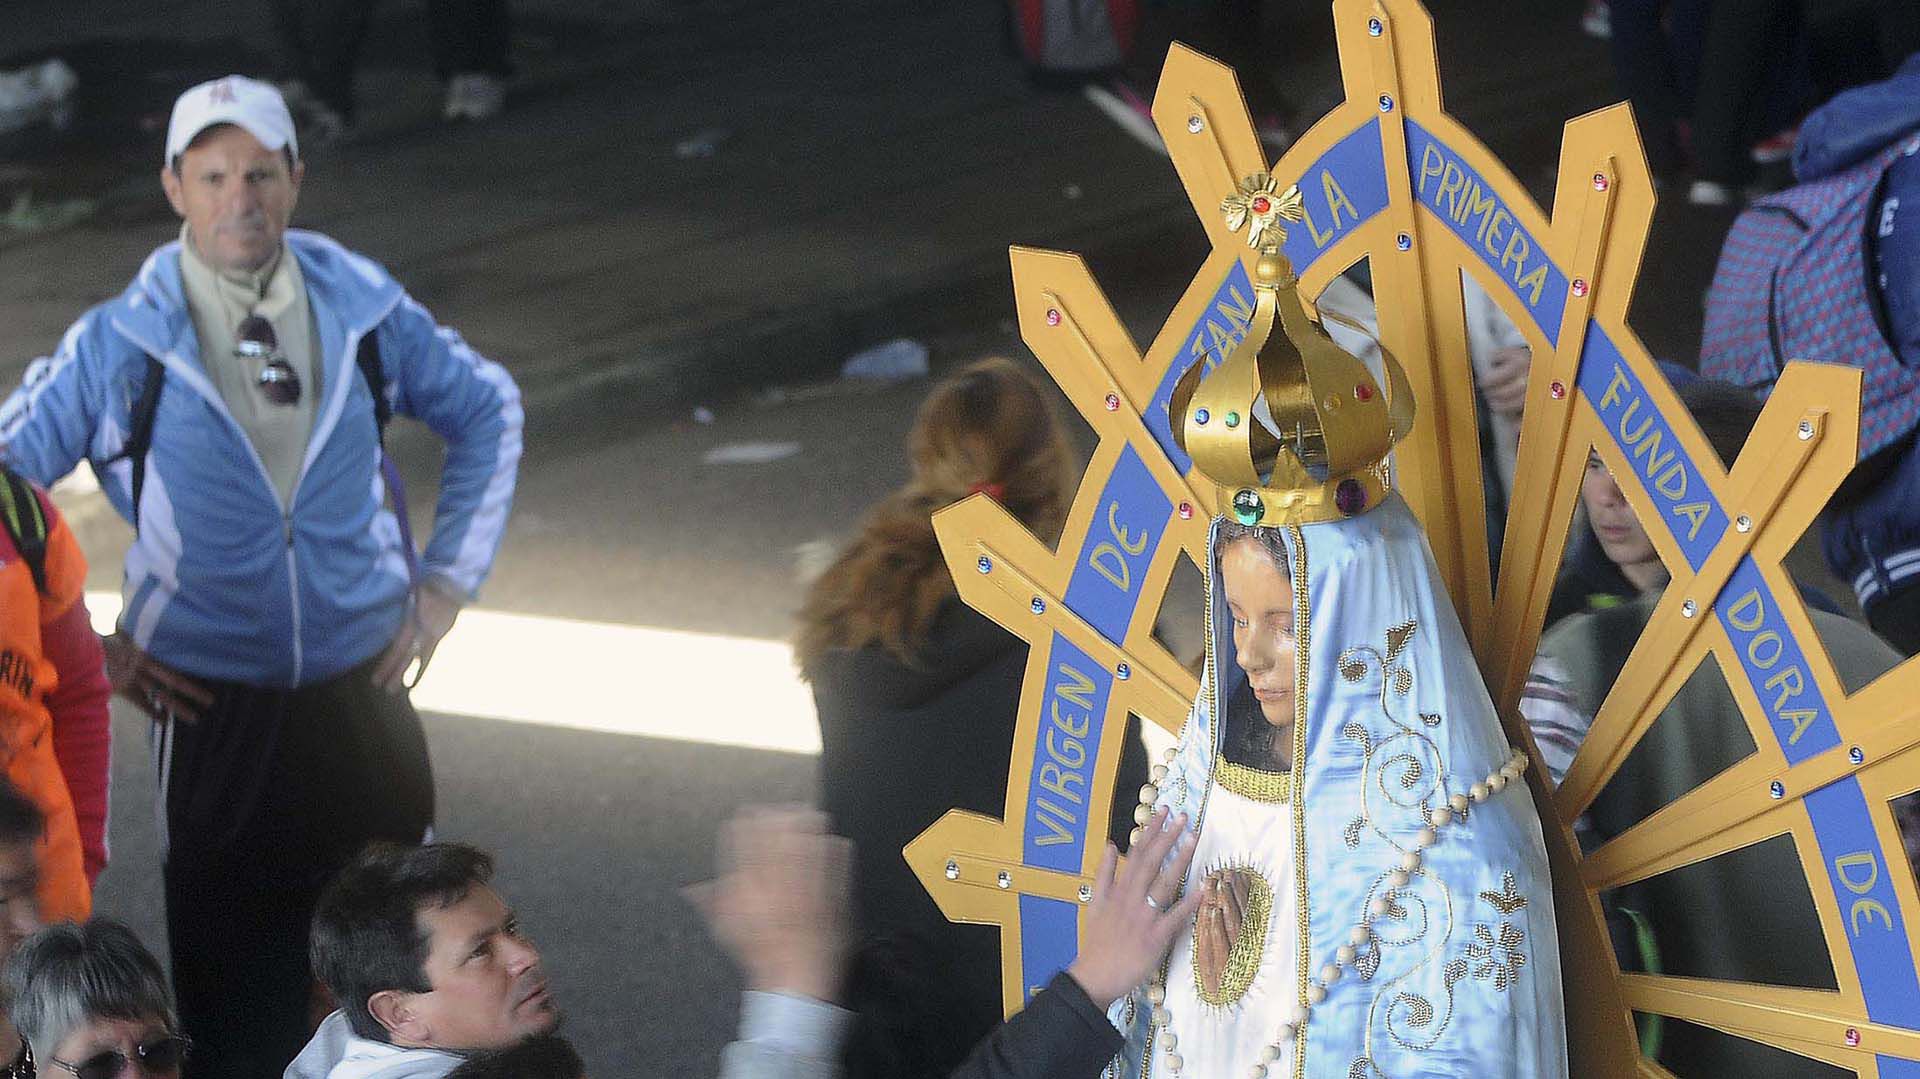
point(1324, 457)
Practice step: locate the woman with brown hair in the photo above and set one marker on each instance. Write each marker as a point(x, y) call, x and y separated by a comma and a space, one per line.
point(917, 697)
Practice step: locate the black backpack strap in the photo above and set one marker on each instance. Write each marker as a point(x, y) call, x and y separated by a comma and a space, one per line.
point(26, 525)
point(140, 431)
point(368, 357)
point(147, 405)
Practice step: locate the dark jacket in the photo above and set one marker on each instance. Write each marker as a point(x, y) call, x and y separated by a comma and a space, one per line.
point(1590, 581)
point(1829, 270)
point(1061, 1035)
point(901, 744)
point(1723, 917)
point(1872, 539)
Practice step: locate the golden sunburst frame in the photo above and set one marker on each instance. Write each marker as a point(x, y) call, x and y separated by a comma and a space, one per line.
point(1389, 176)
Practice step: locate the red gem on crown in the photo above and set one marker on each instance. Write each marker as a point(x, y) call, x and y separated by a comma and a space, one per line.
point(1261, 204)
point(1363, 392)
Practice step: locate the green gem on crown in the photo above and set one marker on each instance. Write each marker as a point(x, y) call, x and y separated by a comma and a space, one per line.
point(1247, 507)
point(1233, 419)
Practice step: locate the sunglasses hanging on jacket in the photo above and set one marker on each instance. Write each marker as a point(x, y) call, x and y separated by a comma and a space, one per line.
point(277, 380)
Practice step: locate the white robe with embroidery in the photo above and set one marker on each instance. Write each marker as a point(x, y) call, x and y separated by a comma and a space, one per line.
point(1460, 972)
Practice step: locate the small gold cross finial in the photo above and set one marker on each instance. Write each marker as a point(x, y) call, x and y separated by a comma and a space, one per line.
point(1260, 206)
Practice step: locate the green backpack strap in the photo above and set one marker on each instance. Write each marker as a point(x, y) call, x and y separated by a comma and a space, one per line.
point(1652, 1028)
point(26, 525)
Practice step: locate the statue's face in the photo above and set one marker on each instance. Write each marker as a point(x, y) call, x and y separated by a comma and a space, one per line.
point(1260, 602)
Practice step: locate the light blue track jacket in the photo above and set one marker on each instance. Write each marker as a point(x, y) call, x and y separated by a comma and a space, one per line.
point(224, 581)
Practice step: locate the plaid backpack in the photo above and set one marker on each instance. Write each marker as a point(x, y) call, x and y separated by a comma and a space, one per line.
point(1795, 283)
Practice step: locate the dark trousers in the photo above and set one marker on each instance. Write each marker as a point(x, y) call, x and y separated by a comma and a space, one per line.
point(320, 42)
point(1656, 61)
point(1751, 82)
point(1231, 31)
point(1897, 618)
point(267, 797)
point(470, 37)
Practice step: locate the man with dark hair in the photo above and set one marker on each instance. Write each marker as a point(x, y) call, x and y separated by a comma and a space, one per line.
point(21, 821)
point(428, 965)
point(22, 826)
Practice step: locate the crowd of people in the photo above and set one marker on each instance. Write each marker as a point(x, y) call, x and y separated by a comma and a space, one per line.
point(234, 400)
point(1719, 87)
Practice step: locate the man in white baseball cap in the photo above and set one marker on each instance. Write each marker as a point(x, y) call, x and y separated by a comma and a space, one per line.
point(238, 100)
point(232, 401)
point(233, 128)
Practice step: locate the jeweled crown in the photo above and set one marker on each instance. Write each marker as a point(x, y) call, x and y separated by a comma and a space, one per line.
point(1325, 456)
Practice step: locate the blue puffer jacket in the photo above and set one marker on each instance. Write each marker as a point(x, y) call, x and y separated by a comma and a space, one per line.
point(1873, 539)
point(223, 581)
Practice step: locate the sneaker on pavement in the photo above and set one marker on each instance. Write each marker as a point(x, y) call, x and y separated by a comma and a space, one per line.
point(324, 124)
point(1597, 19)
point(1775, 147)
point(475, 96)
point(295, 93)
point(1710, 193)
point(320, 123)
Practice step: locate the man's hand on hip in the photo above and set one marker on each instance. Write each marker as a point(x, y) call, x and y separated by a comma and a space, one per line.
point(158, 690)
point(435, 608)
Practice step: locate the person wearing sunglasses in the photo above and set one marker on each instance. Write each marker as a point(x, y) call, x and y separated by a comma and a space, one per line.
point(90, 1001)
point(275, 607)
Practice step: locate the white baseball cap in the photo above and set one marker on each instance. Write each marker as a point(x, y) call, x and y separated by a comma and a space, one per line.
point(235, 99)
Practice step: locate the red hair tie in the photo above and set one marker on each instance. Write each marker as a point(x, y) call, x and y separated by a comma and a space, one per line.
point(995, 491)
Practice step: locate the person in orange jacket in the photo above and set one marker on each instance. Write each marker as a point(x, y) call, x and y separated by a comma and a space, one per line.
point(54, 729)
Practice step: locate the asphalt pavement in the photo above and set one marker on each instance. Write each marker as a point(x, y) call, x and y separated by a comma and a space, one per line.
point(687, 204)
